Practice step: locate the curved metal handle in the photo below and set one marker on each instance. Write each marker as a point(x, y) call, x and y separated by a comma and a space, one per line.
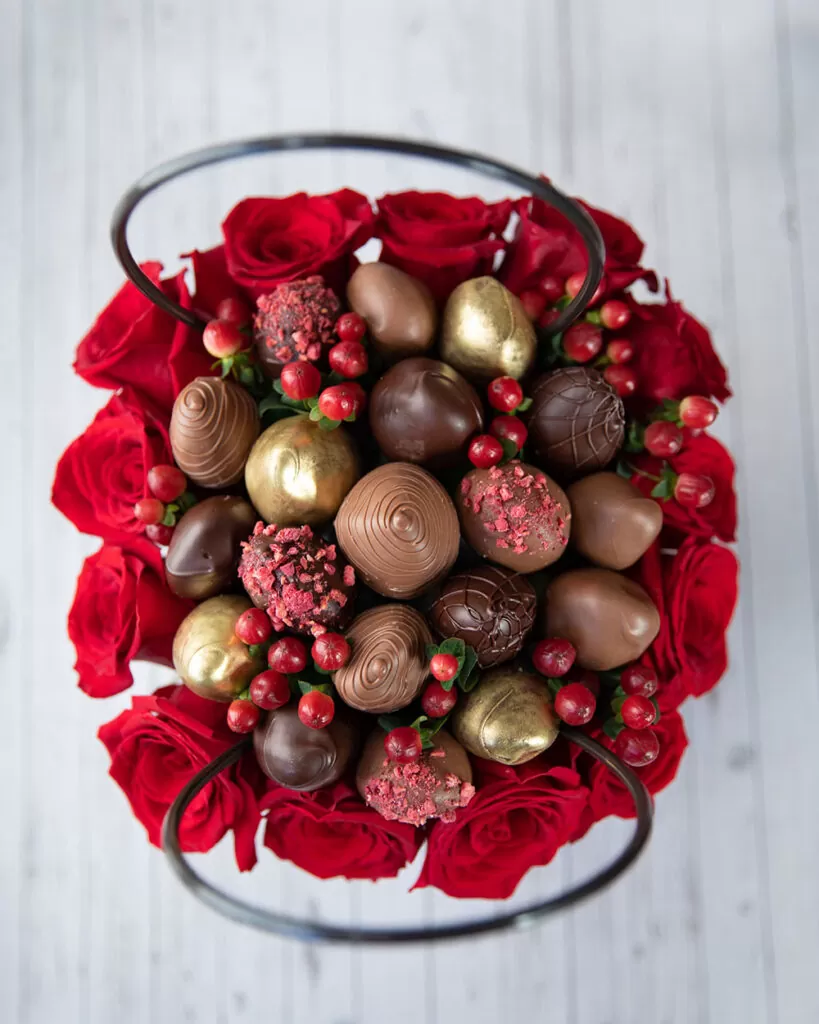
point(568, 207)
point(317, 931)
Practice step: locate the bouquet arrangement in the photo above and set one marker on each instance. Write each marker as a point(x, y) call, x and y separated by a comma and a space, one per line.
point(378, 516)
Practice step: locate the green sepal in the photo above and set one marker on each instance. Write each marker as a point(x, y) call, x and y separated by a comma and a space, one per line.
point(322, 671)
point(227, 365)
point(524, 405)
point(554, 685)
point(169, 519)
point(390, 722)
point(316, 415)
point(616, 706)
point(307, 687)
point(624, 469)
point(593, 317)
point(244, 695)
point(259, 651)
point(350, 418)
point(417, 722)
point(510, 449)
point(325, 423)
point(657, 714)
point(669, 410)
point(428, 732)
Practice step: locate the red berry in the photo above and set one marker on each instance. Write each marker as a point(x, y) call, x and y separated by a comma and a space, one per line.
point(233, 311)
point(694, 491)
point(342, 400)
point(663, 439)
point(253, 626)
point(509, 428)
point(552, 288)
point(548, 317)
point(589, 679)
point(330, 651)
point(166, 482)
point(223, 339)
point(316, 709)
point(444, 667)
point(270, 690)
point(534, 303)
point(287, 655)
point(349, 358)
point(485, 451)
point(242, 716)
point(158, 533)
point(614, 314)
point(149, 511)
point(582, 342)
point(638, 712)
point(504, 394)
point(622, 378)
point(637, 748)
point(575, 704)
point(436, 701)
point(697, 412)
point(620, 350)
point(403, 744)
point(300, 380)
point(639, 680)
point(575, 283)
point(351, 327)
point(553, 657)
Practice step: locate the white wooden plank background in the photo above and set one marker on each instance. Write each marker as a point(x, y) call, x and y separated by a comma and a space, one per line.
point(697, 120)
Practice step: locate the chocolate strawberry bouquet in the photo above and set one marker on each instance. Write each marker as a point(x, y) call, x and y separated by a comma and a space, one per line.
point(379, 518)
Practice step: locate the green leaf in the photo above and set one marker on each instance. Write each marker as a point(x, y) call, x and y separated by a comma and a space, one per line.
point(316, 415)
point(617, 704)
point(244, 695)
point(322, 671)
point(612, 728)
point(510, 449)
point(657, 714)
point(327, 424)
point(431, 650)
point(272, 403)
point(634, 437)
point(468, 682)
point(524, 405)
point(227, 366)
point(390, 722)
point(593, 317)
point(610, 678)
point(305, 686)
point(468, 667)
point(555, 686)
point(428, 732)
point(185, 501)
point(169, 519)
point(664, 489)
point(416, 724)
point(257, 651)
point(624, 470)
point(277, 387)
point(447, 684)
point(335, 378)
point(619, 692)
point(247, 375)
point(312, 403)
point(350, 418)
point(453, 645)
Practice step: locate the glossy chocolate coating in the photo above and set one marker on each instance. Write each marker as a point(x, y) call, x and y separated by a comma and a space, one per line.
point(490, 608)
point(424, 411)
point(388, 665)
point(514, 515)
point(435, 786)
point(399, 529)
point(213, 426)
point(298, 757)
point(399, 310)
point(203, 555)
point(609, 618)
point(576, 422)
point(613, 524)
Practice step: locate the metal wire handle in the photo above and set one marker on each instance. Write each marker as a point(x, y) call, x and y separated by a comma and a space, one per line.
point(571, 210)
point(318, 931)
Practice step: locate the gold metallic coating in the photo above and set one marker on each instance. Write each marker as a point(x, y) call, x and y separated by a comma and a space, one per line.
point(486, 332)
point(208, 656)
point(507, 717)
point(298, 473)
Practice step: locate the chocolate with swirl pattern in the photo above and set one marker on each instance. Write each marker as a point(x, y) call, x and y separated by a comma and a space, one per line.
point(399, 529)
point(388, 665)
point(213, 426)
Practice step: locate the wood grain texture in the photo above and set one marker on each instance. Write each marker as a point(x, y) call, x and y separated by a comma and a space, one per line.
point(694, 120)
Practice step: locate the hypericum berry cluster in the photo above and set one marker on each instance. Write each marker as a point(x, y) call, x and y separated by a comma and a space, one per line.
point(575, 700)
point(287, 659)
point(507, 434)
point(633, 713)
point(664, 437)
point(227, 338)
point(170, 499)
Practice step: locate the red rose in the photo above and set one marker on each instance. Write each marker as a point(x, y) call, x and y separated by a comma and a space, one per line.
point(135, 342)
point(212, 281)
point(702, 455)
point(104, 472)
point(332, 833)
point(123, 610)
point(440, 239)
point(700, 583)
point(673, 353)
point(268, 241)
point(518, 819)
point(546, 245)
point(609, 796)
point(158, 745)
